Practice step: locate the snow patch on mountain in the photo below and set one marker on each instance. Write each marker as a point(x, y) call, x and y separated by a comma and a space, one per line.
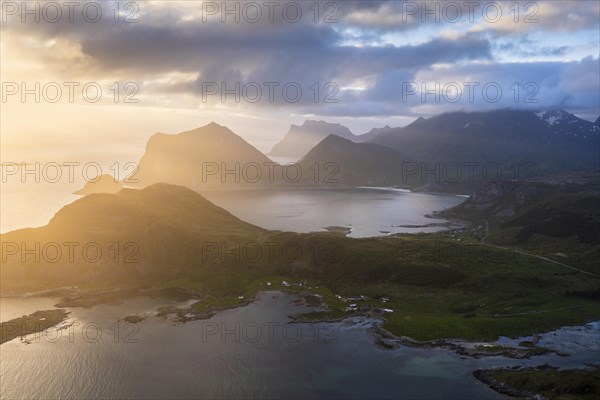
point(555, 117)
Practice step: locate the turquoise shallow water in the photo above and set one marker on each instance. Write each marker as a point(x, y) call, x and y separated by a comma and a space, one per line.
point(247, 352)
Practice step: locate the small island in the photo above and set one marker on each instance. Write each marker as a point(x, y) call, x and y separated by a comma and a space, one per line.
point(101, 184)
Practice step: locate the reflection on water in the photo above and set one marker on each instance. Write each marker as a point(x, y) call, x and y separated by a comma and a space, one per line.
point(245, 352)
point(14, 307)
point(32, 204)
point(368, 211)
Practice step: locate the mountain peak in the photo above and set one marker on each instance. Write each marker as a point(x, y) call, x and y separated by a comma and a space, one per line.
point(301, 138)
point(211, 127)
point(555, 140)
point(556, 116)
point(563, 122)
point(314, 122)
point(213, 124)
point(180, 158)
point(331, 138)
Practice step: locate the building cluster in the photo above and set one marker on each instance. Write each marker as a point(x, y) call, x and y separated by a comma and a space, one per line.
point(369, 308)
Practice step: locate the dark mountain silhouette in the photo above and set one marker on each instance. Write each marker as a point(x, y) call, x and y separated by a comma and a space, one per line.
point(345, 163)
point(452, 152)
point(210, 156)
point(554, 141)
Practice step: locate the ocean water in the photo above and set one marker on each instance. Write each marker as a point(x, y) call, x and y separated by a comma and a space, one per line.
point(367, 211)
point(252, 351)
point(32, 204)
point(247, 352)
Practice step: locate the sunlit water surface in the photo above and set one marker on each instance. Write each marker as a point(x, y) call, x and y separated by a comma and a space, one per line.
point(366, 211)
point(247, 352)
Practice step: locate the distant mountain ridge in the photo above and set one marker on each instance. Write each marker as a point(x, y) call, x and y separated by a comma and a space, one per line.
point(301, 138)
point(555, 140)
point(519, 144)
point(564, 123)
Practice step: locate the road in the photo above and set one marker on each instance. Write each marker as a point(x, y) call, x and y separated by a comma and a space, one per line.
point(487, 231)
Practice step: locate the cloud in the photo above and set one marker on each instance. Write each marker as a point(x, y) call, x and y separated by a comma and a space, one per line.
point(476, 87)
point(175, 49)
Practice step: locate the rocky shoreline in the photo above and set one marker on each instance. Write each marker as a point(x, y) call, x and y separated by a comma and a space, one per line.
point(542, 382)
point(387, 340)
point(382, 337)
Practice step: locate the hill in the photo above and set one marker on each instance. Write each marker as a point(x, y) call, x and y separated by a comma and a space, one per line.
point(554, 216)
point(345, 163)
point(117, 239)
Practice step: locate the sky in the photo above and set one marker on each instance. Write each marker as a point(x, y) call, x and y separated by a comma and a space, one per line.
point(97, 79)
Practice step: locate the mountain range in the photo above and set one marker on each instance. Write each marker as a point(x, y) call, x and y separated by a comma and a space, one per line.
point(451, 152)
point(554, 141)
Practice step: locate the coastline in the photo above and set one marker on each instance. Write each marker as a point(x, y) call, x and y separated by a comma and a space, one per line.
point(386, 340)
point(32, 323)
point(382, 336)
point(477, 349)
point(542, 382)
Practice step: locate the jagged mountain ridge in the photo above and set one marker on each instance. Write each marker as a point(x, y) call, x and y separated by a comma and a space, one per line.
point(301, 138)
point(545, 143)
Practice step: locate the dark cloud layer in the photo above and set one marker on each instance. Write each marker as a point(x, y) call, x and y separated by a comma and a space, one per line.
point(168, 40)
